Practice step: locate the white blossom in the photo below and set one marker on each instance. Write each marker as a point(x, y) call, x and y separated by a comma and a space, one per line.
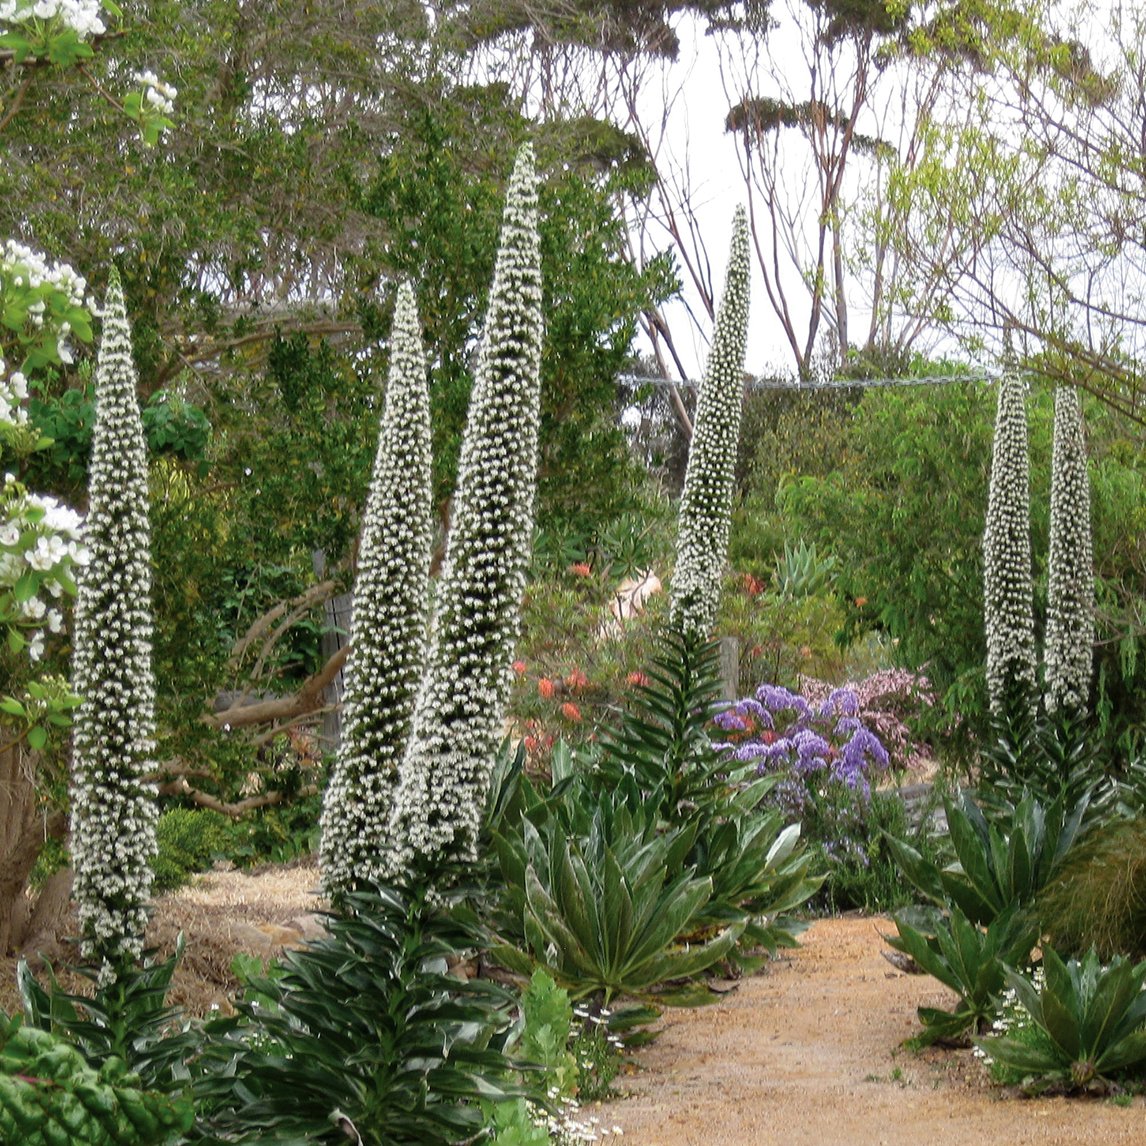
point(113, 807)
point(1007, 590)
point(160, 95)
point(1069, 652)
point(388, 628)
point(706, 502)
point(84, 17)
point(458, 715)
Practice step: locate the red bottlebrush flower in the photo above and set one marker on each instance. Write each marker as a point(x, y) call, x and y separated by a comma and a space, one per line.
point(636, 678)
point(546, 688)
point(576, 680)
point(582, 569)
point(519, 667)
point(531, 744)
point(570, 711)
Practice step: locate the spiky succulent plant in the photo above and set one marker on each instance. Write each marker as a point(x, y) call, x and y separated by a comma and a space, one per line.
point(1069, 653)
point(389, 623)
point(706, 503)
point(1007, 590)
point(113, 805)
point(461, 704)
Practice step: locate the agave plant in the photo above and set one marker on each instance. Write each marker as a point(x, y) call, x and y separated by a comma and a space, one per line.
point(604, 907)
point(1092, 1019)
point(972, 961)
point(999, 865)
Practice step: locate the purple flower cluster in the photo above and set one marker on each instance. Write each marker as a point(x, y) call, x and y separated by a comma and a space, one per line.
point(817, 742)
point(887, 701)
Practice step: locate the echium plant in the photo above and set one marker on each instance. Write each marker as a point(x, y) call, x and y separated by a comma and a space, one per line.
point(706, 503)
point(388, 629)
point(459, 711)
point(1007, 589)
point(113, 806)
point(1069, 649)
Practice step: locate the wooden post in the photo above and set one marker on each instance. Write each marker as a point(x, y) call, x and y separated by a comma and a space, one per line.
point(729, 668)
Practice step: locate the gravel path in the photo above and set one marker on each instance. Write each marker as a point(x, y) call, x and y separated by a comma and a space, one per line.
point(807, 1054)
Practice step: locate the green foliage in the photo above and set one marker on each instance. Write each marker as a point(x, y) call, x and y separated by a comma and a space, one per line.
point(1092, 1018)
point(901, 507)
point(783, 637)
point(367, 1031)
point(645, 841)
point(603, 900)
point(127, 1021)
point(598, 1056)
point(662, 740)
point(969, 959)
point(189, 839)
point(49, 1096)
point(801, 572)
point(849, 838)
point(1097, 899)
point(1052, 757)
point(547, 1016)
point(1001, 864)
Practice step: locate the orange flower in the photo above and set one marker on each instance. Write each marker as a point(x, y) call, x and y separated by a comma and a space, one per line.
point(582, 569)
point(531, 744)
point(519, 667)
point(546, 687)
point(860, 602)
point(576, 680)
point(637, 678)
point(570, 711)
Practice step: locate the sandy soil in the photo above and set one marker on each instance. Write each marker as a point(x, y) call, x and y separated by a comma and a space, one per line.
point(808, 1053)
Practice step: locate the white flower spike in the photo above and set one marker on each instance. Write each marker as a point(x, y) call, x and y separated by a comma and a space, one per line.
point(388, 629)
point(114, 811)
point(458, 716)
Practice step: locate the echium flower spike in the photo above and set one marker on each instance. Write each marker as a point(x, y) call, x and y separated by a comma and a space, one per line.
point(1008, 606)
point(706, 503)
point(114, 809)
point(388, 628)
point(461, 704)
point(1069, 654)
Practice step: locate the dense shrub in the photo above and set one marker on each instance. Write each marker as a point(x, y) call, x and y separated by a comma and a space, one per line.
point(189, 840)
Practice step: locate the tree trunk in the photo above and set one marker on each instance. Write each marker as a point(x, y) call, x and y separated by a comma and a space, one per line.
point(24, 829)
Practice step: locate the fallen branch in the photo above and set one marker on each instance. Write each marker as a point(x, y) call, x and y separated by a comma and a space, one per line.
point(299, 606)
point(234, 810)
point(308, 700)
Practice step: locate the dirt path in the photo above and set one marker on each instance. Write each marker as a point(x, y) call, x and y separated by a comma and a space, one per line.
point(807, 1053)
